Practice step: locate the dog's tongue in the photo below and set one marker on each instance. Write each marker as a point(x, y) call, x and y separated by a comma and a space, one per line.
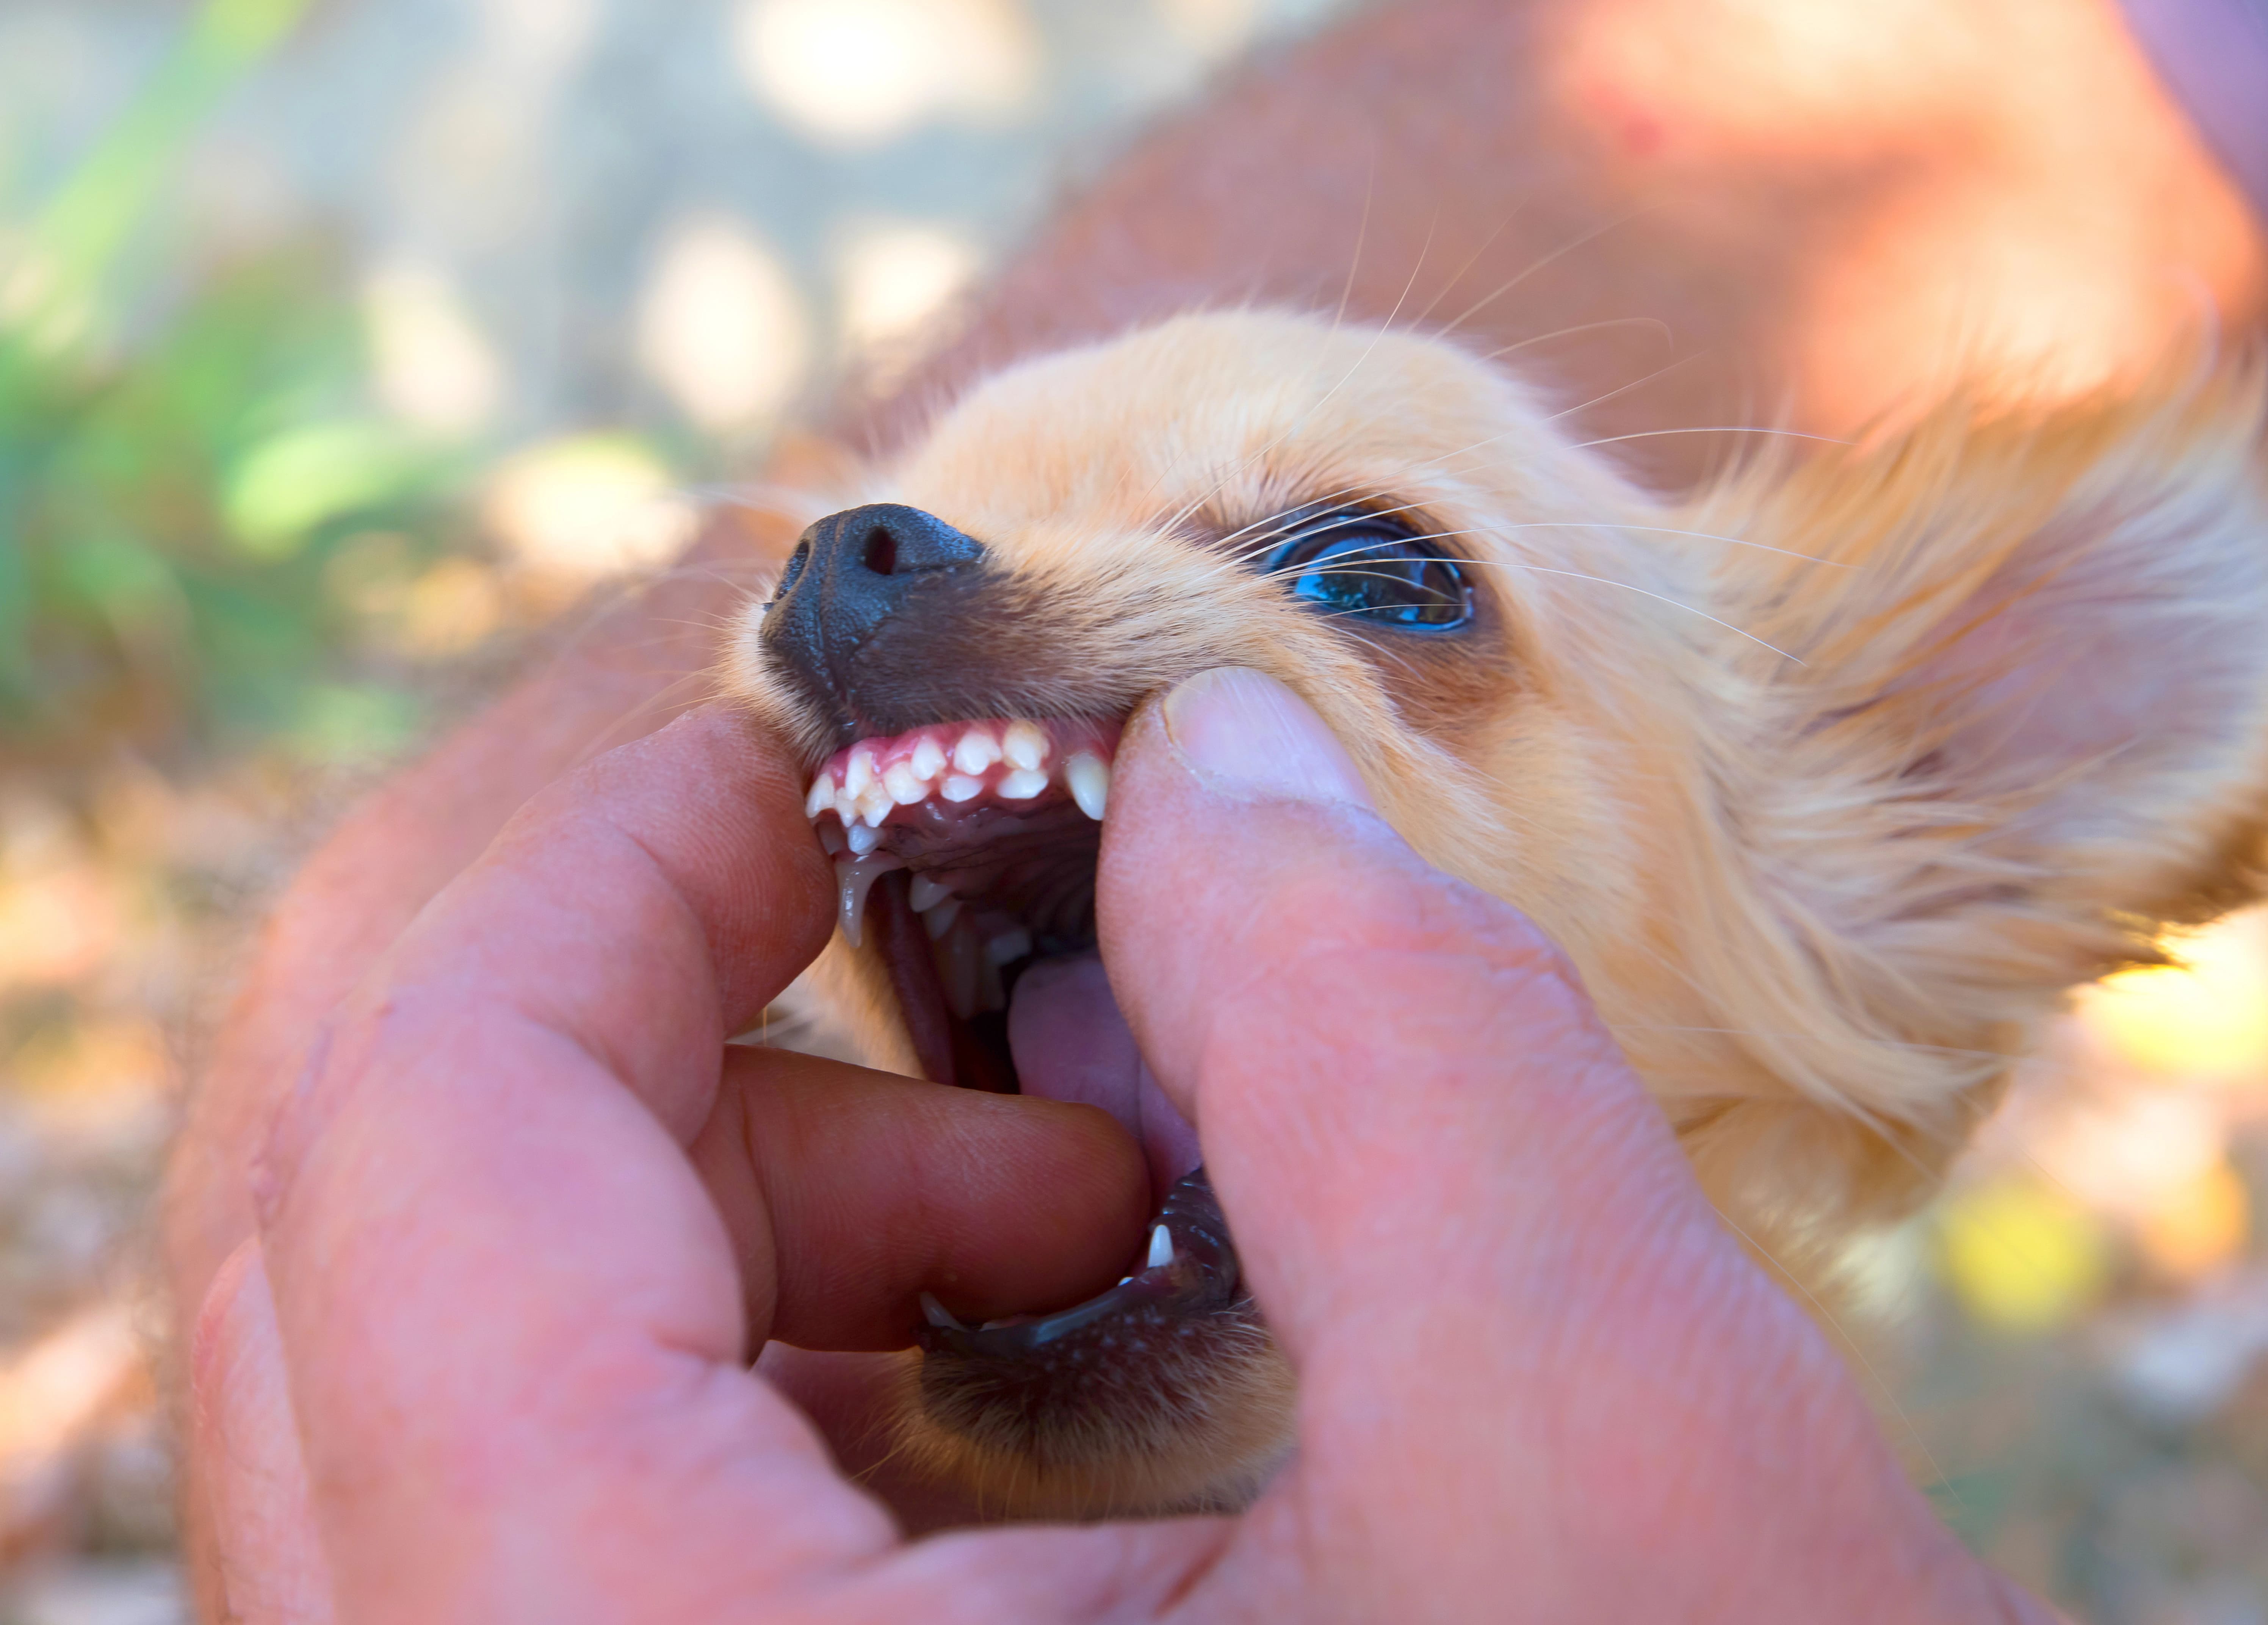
point(1070, 1043)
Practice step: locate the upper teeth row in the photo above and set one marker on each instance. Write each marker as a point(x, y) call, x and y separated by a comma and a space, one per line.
point(863, 792)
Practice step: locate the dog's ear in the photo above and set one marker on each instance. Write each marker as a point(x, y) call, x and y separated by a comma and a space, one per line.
point(2019, 724)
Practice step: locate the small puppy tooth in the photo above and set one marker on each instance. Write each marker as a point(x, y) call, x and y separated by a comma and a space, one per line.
point(905, 786)
point(1089, 778)
point(1025, 745)
point(833, 837)
point(977, 751)
point(821, 796)
point(927, 893)
point(1009, 945)
point(1161, 1249)
point(875, 804)
point(863, 838)
point(1023, 784)
point(860, 773)
point(938, 1315)
point(1122, 1280)
point(938, 920)
point(958, 788)
point(928, 759)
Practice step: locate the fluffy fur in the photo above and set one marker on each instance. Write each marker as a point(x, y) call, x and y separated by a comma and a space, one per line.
point(1831, 782)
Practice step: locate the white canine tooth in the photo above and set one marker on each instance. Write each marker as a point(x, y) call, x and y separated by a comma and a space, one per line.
point(1161, 1249)
point(904, 784)
point(1089, 778)
point(927, 894)
point(833, 837)
point(821, 796)
point(846, 807)
point(958, 788)
point(977, 751)
point(928, 758)
point(863, 838)
point(938, 1315)
point(1023, 784)
point(1009, 946)
point(854, 878)
point(1025, 746)
point(860, 773)
point(938, 921)
point(874, 804)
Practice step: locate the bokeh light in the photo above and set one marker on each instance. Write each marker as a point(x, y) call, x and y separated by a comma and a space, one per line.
point(721, 326)
point(857, 72)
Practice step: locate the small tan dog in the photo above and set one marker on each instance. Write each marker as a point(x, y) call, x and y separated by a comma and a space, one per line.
point(1831, 782)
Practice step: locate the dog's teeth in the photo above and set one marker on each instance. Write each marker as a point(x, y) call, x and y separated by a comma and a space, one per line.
point(938, 921)
point(1009, 946)
point(875, 804)
point(832, 838)
point(854, 878)
point(928, 759)
point(958, 788)
point(862, 840)
point(1023, 784)
point(939, 1316)
point(1161, 1249)
point(821, 796)
point(977, 751)
point(904, 784)
point(927, 893)
point(1089, 778)
point(1024, 746)
point(860, 773)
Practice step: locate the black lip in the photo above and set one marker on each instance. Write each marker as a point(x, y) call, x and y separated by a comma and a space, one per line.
point(1204, 1278)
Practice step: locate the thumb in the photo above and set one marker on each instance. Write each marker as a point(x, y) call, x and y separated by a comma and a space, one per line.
point(1388, 1067)
point(1518, 1325)
point(1447, 1187)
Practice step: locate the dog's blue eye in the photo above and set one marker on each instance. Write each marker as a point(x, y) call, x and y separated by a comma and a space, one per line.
point(1372, 569)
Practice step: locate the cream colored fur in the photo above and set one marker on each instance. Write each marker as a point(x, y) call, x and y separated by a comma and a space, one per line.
point(1831, 782)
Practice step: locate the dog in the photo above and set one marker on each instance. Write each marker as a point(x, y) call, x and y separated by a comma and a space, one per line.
point(1831, 780)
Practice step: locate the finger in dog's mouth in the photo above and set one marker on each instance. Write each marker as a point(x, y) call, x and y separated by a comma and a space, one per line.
point(964, 851)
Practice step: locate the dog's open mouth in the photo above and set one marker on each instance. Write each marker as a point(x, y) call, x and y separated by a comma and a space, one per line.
point(967, 852)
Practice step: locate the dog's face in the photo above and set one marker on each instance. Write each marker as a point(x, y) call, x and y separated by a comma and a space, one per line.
point(1830, 782)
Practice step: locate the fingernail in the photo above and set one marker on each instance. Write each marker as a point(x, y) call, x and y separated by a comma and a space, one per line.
point(1250, 734)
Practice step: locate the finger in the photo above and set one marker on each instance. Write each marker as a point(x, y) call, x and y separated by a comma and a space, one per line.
point(854, 1191)
point(247, 1444)
point(1508, 1302)
point(1290, 963)
point(1433, 1156)
point(512, 1312)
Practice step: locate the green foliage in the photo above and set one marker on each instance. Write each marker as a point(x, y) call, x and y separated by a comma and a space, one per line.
point(168, 503)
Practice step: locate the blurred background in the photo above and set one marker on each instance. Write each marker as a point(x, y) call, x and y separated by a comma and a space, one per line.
point(346, 346)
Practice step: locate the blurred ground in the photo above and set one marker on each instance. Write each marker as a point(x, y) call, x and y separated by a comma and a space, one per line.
point(345, 346)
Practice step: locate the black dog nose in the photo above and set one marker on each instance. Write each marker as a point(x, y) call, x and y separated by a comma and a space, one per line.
point(852, 573)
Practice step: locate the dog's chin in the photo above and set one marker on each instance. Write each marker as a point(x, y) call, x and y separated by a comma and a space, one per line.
point(965, 853)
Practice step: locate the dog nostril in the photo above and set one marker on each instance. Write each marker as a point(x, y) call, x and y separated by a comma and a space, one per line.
point(881, 551)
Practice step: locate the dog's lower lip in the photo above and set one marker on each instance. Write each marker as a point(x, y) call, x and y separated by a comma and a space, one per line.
point(1201, 1276)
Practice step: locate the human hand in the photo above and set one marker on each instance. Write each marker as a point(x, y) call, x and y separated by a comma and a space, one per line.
point(486, 1358)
